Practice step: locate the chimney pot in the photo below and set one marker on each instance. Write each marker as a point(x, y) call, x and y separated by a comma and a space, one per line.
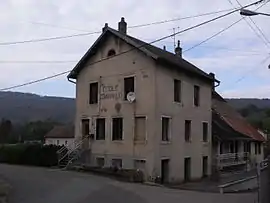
point(122, 26)
point(178, 50)
point(105, 27)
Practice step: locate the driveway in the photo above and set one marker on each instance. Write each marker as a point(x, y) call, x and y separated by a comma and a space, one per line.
point(41, 185)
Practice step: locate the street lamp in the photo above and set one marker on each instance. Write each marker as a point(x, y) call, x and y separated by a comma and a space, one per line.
point(246, 12)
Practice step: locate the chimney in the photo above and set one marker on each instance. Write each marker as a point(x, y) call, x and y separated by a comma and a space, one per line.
point(164, 48)
point(178, 50)
point(122, 26)
point(212, 75)
point(105, 27)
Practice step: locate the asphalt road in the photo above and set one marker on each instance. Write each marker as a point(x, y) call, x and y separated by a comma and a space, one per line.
point(41, 185)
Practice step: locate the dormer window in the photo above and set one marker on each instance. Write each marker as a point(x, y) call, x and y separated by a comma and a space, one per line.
point(111, 53)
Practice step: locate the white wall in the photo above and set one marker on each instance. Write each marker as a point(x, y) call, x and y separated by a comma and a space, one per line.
point(59, 141)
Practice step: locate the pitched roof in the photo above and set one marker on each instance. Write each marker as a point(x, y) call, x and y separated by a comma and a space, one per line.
point(61, 132)
point(156, 53)
point(233, 119)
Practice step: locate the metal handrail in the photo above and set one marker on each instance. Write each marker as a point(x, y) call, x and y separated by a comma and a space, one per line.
point(76, 146)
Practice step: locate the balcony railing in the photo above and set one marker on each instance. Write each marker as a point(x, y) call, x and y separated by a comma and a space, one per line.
point(232, 159)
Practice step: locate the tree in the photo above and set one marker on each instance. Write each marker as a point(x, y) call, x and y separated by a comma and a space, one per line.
point(5, 130)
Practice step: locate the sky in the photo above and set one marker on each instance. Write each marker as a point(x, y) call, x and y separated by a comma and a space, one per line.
point(238, 56)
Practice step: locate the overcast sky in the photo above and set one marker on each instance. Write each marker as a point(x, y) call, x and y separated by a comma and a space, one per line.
point(237, 56)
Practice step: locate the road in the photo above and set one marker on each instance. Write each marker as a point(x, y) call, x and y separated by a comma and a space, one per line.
point(41, 185)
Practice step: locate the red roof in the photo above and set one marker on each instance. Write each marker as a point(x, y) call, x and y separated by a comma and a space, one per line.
point(234, 119)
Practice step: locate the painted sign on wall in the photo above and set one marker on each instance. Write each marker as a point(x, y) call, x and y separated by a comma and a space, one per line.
point(110, 92)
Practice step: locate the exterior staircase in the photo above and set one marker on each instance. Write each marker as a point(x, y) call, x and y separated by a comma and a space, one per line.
point(71, 154)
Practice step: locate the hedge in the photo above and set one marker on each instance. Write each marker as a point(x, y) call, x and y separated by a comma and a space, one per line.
point(129, 175)
point(29, 154)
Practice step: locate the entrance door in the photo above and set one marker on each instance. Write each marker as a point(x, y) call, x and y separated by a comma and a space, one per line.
point(85, 133)
point(187, 169)
point(205, 166)
point(164, 170)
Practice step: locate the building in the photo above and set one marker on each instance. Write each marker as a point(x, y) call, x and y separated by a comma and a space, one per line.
point(236, 143)
point(61, 136)
point(166, 130)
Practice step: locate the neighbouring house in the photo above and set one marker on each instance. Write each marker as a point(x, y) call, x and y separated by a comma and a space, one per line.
point(142, 107)
point(236, 143)
point(61, 136)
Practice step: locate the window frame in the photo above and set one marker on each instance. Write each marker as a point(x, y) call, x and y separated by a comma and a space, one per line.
point(196, 95)
point(112, 131)
point(205, 137)
point(190, 129)
point(168, 130)
point(145, 137)
point(125, 88)
point(96, 100)
point(177, 90)
point(100, 157)
point(96, 133)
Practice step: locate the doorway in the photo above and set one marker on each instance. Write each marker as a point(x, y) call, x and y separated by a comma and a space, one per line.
point(164, 171)
point(187, 169)
point(205, 166)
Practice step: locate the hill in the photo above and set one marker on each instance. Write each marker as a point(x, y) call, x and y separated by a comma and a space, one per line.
point(243, 103)
point(22, 108)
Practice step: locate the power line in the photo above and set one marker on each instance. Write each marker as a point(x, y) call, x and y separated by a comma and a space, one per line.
point(221, 31)
point(45, 62)
point(143, 45)
point(98, 32)
point(262, 36)
point(133, 26)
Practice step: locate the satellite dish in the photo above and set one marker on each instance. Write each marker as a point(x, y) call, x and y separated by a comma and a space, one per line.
point(131, 97)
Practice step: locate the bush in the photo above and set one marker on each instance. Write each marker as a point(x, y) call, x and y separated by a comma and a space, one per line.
point(130, 175)
point(29, 154)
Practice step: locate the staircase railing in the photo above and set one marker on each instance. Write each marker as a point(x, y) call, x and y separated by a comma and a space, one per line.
point(65, 151)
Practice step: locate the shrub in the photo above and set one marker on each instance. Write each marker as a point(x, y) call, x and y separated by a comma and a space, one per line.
point(130, 175)
point(29, 154)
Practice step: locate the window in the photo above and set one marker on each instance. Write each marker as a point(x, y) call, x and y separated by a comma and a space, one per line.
point(117, 129)
point(196, 95)
point(187, 130)
point(85, 127)
point(165, 128)
point(205, 166)
point(187, 169)
point(205, 131)
point(100, 161)
point(117, 163)
point(140, 128)
point(259, 148)
point(57, 142)
point(111, 52)
point(100, 129)
point(128, 86)
point(140, 164)
point(93, 97)
point(256, 147)
point(177, 90)
point(247, 147)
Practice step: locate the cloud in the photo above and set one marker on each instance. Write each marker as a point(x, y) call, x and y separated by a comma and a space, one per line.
point(67, 17)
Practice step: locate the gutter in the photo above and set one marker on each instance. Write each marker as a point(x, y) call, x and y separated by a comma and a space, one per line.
point(71, 81)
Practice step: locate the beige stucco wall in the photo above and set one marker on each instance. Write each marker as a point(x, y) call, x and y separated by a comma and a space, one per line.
point(177, 149)
point(154, 98)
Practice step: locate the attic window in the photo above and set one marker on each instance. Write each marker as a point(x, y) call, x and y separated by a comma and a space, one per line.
point(111, 53)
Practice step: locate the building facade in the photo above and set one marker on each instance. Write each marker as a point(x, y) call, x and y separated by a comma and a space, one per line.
point(235, 143)
point(165, 131)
